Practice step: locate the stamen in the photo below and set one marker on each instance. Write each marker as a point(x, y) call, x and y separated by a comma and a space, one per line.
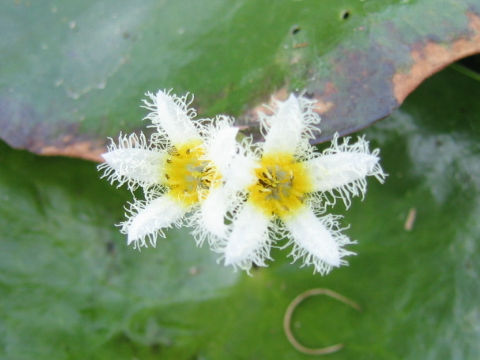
point(189, 176)
point(282, 183)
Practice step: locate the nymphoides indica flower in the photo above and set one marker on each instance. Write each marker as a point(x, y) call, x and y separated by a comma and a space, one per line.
point(289, 188)
point(180, 167)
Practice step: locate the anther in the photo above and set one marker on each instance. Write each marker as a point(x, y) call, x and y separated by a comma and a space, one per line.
point(263, 183)
point(267, 175)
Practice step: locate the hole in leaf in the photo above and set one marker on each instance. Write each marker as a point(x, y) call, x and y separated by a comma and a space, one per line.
point(295, 29)
point(345, 14)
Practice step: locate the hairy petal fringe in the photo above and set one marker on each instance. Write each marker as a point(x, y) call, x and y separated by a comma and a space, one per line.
point(341, 170)
point(132, 161)
point(318, 241)
point(147, 220)
point(208, 222)
point(172, 115)
point(220, 142)
point(249, 241)
point(293, 123)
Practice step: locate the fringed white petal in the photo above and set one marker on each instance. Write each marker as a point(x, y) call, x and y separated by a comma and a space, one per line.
point(318, 241)
point(147, 220)
point(249, 242)
point(342, 169)
point(208, 222)
point(172, 115)
point(293, 122)
point(241, 173)
point(220, 143)
point(132, 161)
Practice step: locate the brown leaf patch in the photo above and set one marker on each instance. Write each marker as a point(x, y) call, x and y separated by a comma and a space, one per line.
point(432, 57)
point(88, 150)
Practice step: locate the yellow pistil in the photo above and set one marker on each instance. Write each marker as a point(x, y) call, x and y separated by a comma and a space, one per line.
point(187, 176)
point(282, 184)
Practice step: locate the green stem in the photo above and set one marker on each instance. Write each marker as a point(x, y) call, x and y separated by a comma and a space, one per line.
point(465, 71)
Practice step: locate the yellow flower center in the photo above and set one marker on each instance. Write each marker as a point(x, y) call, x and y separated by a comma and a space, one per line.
point(188, 177)
point(282, 184)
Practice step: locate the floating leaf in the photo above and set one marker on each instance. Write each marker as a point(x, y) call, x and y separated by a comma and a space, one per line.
point(73, 73)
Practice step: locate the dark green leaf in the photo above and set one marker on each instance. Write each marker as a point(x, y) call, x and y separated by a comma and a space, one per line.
point(71, 289)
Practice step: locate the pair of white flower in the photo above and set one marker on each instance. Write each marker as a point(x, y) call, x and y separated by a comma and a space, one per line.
point(238, 196)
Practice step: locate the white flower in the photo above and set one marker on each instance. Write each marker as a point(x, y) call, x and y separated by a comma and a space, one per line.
point(180, 169)
point(266, 192)
point(286, 187)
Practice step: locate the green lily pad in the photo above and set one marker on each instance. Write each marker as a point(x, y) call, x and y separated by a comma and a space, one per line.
point(71, 288)
point(73, 73)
